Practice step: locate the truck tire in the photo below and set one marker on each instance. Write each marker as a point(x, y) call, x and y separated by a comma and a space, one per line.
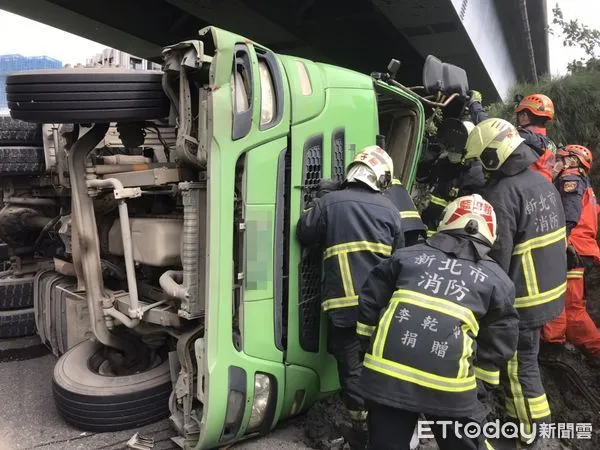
point(22, 160)
point(93, 402)
point(86, 95)
point(16, 293)
point(17, 323)
point(17, 132)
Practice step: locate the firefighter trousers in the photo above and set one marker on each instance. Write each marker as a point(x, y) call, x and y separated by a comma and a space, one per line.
point(392, 429)
point(525, 398)
point(345, 346)
point(574, 324)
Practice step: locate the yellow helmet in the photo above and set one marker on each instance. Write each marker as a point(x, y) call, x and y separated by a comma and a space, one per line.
point(373, 166)
point(492, 142)
point(470, 215)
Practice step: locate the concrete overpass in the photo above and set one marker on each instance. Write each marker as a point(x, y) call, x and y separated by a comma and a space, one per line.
point(498, 42)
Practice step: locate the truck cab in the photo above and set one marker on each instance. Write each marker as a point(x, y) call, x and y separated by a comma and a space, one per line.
point(213, 283)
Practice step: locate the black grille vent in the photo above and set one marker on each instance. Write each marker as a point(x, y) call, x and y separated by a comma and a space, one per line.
point(310, 264)
point(338, 156)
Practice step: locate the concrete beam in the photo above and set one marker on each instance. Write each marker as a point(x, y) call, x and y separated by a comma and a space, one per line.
point(482, 24)
point(537, 11)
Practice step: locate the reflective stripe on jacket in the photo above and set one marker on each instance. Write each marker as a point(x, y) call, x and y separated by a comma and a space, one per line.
point(446, 321)
point(531, 241)
point(357, 228)
point(579, 202)
point(399, 196)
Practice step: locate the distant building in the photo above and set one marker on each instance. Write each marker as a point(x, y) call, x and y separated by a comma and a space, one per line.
point(20, 63)
point(110, 57)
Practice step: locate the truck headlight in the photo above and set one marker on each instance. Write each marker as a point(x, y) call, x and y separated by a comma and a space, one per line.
point(262, 399)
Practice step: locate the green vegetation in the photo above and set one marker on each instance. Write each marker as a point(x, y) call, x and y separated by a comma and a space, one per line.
point(576, 96)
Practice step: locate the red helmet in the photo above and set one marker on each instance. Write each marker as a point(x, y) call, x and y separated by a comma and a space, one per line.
point(537, 104)
point(583, 154)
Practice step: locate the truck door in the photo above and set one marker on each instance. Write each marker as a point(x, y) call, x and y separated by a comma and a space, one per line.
point(402, 121)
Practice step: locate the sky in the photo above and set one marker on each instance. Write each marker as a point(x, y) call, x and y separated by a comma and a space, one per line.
point(29, 38)
point(588, 13)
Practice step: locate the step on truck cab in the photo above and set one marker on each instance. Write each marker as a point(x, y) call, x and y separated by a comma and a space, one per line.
point(184, 258)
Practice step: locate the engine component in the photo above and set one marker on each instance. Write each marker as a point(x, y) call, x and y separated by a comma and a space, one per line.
point(156, 241)
point(188, 285)
point(152, 177)
point(21, 226)
point(126, 159)
point(61, 315)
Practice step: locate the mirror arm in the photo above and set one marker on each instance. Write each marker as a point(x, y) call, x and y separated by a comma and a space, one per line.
point(423, 99)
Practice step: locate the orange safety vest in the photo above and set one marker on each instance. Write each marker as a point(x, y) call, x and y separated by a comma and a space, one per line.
point(583, 235)
point(545, 163)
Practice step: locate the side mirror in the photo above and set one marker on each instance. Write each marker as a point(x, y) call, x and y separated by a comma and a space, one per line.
point(443, 77)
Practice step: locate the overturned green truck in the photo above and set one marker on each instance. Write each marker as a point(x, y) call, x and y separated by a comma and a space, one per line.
point(167, 273)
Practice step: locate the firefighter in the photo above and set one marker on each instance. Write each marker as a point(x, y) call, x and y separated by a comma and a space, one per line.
point(579, 203)
point(412, 225)
point(357, 227)
point(532, 115)
point(450, 177)
point(531, 248)
point(421, 315)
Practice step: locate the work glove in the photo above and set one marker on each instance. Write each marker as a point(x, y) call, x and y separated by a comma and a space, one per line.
point(573, 259)
point(326, 186)
point(475, 96)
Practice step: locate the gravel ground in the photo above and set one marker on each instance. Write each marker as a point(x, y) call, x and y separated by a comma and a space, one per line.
point(28, 419)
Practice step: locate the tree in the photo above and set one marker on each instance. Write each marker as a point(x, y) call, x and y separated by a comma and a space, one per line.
point(576, 96)
point(576, 34)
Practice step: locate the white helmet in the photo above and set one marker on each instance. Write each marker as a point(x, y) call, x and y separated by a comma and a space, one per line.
point(373, 167)
point(470, 215)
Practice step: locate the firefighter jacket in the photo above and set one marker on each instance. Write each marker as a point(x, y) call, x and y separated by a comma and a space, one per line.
point(534, 136)
point(357, 228)
point(531, 237)
point(545, 148)
point(437, 317)
point(579, 203)
point(412, 225)
point(467, 179)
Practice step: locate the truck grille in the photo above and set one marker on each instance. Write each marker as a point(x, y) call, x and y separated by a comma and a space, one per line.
point(310, 265)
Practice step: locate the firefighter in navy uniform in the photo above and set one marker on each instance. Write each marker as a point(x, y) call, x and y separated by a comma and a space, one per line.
point(357, 227)
point(435, 317)
point(532, 115)
point(412, 225)
point(579, 202)
point(530, 247)
point(448, 175)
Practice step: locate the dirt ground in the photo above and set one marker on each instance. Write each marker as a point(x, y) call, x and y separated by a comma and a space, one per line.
point(327, 421)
